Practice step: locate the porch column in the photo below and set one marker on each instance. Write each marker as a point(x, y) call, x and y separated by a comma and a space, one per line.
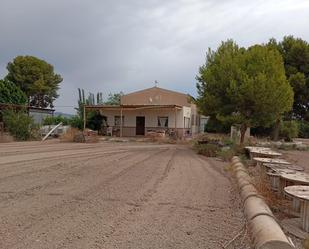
point(175, 121)
point(84, 117)
point(120, 122)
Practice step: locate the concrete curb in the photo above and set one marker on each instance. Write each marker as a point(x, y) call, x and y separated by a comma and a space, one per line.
point(264, 229)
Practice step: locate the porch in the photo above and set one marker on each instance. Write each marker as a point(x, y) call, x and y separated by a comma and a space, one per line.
point(144, 120)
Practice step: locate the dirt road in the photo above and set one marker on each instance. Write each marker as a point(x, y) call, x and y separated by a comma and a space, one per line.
point(113, 195)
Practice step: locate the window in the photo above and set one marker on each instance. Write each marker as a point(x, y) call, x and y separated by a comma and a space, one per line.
point(186, 123)
point(118, 122)
point(163, 122)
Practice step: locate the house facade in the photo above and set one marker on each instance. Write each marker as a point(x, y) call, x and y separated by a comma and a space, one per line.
point(152, 110)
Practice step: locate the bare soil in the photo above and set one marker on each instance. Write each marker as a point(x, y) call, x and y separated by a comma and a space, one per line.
point(115, 195)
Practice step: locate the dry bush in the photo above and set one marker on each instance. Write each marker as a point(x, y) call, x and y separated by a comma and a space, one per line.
point(209, 150)
point(263, 186)
point(93, 138)
point(70, 135)
point(212, 136)
point(306, 243)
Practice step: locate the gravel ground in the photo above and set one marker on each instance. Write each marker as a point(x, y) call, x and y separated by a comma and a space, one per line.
point(115, 195)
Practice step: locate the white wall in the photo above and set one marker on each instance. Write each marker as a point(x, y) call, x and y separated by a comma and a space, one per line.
point(151, 116)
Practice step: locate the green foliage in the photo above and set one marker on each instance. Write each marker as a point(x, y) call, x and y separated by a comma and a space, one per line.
point(288, 130)
point(90, 100)
point(19, 124)
point(303, 127)
point(244, 86)
point(76, 122)
point(94, 120)
point(217, 126)
point(113, 98)
point(54, 120)
point(209, 150)
point(226, 154)
point(11, 93)
point(36, 78)
point(295, 53)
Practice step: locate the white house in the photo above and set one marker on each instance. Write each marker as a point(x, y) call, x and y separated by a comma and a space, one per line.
point(152, 110)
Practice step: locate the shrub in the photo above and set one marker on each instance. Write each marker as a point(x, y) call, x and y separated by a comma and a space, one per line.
point(94, 120)
point(210, 150)
point(20, 125)
point(226, 154)
point(76, 122)
point(303, 129)
point(288, 130)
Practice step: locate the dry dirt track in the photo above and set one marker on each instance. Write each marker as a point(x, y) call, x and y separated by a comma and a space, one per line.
point(113, 195)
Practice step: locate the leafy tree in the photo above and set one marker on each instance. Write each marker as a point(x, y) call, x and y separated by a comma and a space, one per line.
point(289, 130)
point(94, 120)
point(244, 86)
point(295, 53)
point(114, 98)
point(36, 78)
point(11, 93)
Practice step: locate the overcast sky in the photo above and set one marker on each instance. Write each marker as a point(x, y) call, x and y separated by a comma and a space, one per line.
point(125, 45)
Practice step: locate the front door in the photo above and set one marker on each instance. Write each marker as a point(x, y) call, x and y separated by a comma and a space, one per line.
point(140, 126)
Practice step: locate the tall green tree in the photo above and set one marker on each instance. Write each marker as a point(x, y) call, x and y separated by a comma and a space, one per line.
point(94, 118)
point(244, 86)
point(295, 53)
point(113, 98)
point(11, 93)
point(36, 78)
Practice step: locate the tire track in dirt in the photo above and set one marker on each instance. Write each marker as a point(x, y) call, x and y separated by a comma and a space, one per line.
point(65, 177)
point(57, 163)
point(134, 205)
point(183, 213)
point(43, 149)
point(70, 175)
point(74, 201)
point(152, 197)
point(10, 160)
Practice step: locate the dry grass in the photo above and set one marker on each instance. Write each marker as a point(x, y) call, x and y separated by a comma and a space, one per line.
point(278, 204)
point(70, 135)
point(306, 243)
point(77, 136)
point(92, 138)
point(6, 138)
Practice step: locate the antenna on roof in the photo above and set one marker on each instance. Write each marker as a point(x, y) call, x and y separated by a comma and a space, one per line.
point(156, 83)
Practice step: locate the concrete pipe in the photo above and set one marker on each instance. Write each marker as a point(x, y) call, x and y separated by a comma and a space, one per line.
point(255, 206)
point(243, 182)
point(241, 174)
point(267, 234)
point(238, 166)
point(248, 190)
point(265, 231)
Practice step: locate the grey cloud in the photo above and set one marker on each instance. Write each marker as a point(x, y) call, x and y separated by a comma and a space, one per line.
point(123, 45)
